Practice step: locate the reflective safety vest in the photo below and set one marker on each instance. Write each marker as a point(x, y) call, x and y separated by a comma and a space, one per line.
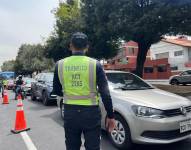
point(5, 82)
point(77, 74)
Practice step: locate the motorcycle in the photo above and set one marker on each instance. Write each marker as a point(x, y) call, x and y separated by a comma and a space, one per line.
point(20, 91)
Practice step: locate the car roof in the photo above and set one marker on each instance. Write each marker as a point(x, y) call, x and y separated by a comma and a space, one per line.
point(115, 71)
point(46, 73)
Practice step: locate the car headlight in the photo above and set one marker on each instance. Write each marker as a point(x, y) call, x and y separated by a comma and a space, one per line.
point(142, 111)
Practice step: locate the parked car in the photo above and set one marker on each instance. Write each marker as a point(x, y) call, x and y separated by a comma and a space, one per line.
point(27, 85)
point(143, 113)
point(42, 88)
point(182, 78)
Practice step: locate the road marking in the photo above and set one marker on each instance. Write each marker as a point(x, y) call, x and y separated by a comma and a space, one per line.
point(28, 141)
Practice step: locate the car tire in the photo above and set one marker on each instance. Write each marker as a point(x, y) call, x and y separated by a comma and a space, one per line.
point(121, 136)
point(33, 97)
point(174, 82)
point(62, 111)
point(45, 98)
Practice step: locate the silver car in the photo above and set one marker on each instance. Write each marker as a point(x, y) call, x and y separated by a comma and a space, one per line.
point(145, 114)
point(182, 78)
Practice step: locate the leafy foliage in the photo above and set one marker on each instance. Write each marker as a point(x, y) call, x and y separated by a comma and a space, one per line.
point(144, 21)
point(8, 65)
point(102, 42)
point(30, 59)
point(67, 22)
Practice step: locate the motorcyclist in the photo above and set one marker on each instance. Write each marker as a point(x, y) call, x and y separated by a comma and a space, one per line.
point(18, 85)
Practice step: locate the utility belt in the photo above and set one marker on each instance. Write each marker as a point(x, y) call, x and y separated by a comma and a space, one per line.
point(68, 106)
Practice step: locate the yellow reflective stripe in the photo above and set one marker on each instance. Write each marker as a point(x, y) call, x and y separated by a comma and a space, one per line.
point(83, 102)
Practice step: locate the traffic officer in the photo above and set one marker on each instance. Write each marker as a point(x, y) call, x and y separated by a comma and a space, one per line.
point(79, 79)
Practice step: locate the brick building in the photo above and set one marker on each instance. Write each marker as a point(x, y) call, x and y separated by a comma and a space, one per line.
point(126, 61)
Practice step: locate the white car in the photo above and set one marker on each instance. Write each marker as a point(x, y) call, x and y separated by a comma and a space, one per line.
point(145, 114)
point(27, 85)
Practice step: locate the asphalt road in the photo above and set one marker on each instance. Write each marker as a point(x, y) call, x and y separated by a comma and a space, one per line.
point(47, 131)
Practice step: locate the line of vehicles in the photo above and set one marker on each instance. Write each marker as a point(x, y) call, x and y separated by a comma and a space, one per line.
point(144, 114)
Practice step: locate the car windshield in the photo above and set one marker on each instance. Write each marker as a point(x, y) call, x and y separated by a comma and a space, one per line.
point(49, 77)
point(28, 80)
point(126, 81)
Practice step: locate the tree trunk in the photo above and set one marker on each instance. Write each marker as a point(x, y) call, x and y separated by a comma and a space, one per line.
point(141, 57)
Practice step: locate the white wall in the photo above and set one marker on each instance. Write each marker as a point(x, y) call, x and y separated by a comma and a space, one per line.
point(162, 47)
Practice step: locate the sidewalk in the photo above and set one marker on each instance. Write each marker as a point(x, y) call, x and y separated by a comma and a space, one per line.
point(159, 81)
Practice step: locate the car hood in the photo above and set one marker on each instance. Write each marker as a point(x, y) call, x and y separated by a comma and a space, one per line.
point(154, 98)
point(28, 85)
point(174, 76)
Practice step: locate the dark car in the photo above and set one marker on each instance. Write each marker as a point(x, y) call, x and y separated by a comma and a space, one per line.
point(42, 88)
point(182, 78)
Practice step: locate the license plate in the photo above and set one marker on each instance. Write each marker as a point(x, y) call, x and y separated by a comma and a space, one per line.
point(185, 126)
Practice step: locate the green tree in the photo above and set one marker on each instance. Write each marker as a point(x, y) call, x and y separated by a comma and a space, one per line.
point(102, 43)
point(31, 59)
point(144, 21)
point(8, 65)
point(68, 21)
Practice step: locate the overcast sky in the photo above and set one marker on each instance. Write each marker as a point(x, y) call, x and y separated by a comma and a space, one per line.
point(24, 21)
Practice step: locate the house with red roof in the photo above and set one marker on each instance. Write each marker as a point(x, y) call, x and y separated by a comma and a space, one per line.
point(126, 61)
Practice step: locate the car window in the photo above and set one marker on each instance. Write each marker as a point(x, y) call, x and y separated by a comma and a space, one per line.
point(42, 77)
point(49, 77)
point(185, 73)
point(189, 72)
point(126, 81)
point(36, 77)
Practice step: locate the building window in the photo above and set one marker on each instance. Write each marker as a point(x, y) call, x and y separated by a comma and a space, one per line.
point(178, 53)
point(162, 55)
point(148, 70)
point(174, 67)
point(131, 50)
point(162, 68)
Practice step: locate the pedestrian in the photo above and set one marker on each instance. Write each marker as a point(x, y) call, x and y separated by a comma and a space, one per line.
point(4, 82)
point(1, 84)
point(77, 78)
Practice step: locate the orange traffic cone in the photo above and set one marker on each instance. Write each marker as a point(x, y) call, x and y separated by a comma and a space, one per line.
point(5, 97)
point(19, 97)
point(20, 122)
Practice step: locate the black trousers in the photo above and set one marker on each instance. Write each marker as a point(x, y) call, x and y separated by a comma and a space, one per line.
point(81, 119)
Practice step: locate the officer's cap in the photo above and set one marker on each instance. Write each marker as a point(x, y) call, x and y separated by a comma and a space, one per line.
point(79, 40)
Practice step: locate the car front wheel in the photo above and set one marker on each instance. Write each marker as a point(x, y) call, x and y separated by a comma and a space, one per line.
point(45, 98)
point(33, 97)
point(174, 82)
point(121, 136)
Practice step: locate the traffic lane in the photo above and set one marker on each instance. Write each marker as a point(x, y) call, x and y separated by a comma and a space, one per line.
point(47, 131)
point(8, 140)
